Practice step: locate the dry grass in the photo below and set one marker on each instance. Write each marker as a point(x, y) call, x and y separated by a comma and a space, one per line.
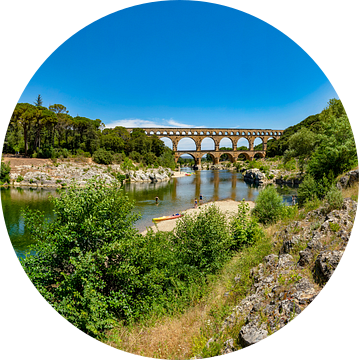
point(351, 192)
point(169, 338)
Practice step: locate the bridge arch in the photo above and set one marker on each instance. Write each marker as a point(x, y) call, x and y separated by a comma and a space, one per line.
point(208, 156)
point(226, 142)
point(208, 143)
point(243, 156)
point(186, 144)
point(167, 141)
point(258, 141)
point(228, 155)
point(243, 142)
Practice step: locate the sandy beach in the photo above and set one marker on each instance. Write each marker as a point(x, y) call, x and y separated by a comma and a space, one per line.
point(229, 207)
point(177, 174)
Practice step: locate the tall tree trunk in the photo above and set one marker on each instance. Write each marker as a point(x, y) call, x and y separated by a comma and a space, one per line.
point(25, 138)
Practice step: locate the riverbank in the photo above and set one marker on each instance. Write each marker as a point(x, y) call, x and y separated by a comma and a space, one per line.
point(45, 173)
point(229, 207)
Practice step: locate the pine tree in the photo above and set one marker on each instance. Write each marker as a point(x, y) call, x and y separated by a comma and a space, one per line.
point(38, 101)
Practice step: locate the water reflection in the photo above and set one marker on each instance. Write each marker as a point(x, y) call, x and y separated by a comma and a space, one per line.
point(174, 196)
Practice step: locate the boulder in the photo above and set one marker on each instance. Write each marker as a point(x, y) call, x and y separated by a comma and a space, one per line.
point(251, 334)
point(326, 263)
point(254, 176)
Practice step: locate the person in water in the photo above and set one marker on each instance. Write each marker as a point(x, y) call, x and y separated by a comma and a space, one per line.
point(200, 199)
point(157, 199)
point(195, 203)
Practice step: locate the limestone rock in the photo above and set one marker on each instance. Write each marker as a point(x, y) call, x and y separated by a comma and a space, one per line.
point(251, 334)
point(326, 263)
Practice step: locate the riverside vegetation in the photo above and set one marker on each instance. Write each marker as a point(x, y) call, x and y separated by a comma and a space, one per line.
point(218, 283)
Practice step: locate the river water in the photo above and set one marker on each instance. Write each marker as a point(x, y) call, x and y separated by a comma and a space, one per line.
point(176, 195)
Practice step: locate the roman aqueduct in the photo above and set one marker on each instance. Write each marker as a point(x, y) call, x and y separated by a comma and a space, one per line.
point(199, 134)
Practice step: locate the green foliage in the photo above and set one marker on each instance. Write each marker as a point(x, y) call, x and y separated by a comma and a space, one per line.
point(300, 145)
point(127, 164)
point(244, 229)
point(82, 258)
point(203, 240)
point(5, 172)
point(102, 156)
point(336, 151)
point(307, 190)
point(333, 199)
point(311, 189)
point(269, 206)
point(19, 178)
point(135, 156)
point(95, 269)
point(167, 160)
point(278, 147)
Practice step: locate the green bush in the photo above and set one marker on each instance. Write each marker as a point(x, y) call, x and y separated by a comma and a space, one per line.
point(5, 172)
point(118, 158)
point(85, 259)
point(102, 156)
point(19, 178)
point(244, 229)
point(307, 190)
point(333, 199)
point(269, 206)
point(203, 241)
point(135, 156)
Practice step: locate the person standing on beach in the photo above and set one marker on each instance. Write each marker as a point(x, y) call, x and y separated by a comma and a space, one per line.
point(195, 203)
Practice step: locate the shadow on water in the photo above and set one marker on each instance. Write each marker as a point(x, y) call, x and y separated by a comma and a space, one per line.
point(175, 196)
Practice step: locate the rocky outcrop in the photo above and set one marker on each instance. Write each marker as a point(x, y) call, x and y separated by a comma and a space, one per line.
point(348, 179)
point(289, 179)
point(255, 176)
point(282, 285)
point(63, 174)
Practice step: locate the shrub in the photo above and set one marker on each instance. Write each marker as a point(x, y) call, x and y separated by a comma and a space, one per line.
point(269, 206)
point(5, 172)
point(307, 190)
point(19, 178)
point(135, 156)
point(102, 156)
point(333, 199)
point(243, 228)
point(85, 259)
point(117, 158)
point(203, 241)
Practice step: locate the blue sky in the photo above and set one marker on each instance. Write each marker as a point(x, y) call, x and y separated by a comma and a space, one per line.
point(181, 63)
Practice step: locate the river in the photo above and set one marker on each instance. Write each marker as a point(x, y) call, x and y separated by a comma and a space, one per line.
point(176, 195)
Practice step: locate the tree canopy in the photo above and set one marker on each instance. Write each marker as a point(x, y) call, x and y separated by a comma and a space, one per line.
point(37, 131)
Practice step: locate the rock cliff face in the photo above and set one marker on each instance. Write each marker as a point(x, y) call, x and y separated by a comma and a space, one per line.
point(286, 282)
point(255, 176)
point(63, 174)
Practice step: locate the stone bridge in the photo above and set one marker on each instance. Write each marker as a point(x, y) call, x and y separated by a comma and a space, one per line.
point(199, 134)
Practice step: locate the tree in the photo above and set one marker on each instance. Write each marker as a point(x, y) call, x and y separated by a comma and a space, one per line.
point(38, 101)
point(269, 206)
point(301, 144)
point(23, 116)
point(85, 259)
point(336, 151)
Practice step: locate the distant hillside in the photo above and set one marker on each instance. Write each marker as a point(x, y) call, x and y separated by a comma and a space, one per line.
point(277, 147)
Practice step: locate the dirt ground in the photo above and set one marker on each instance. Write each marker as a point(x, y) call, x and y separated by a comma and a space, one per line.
point(20, 160)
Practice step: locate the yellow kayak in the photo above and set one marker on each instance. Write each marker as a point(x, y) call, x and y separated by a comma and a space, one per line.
point(175, 216)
